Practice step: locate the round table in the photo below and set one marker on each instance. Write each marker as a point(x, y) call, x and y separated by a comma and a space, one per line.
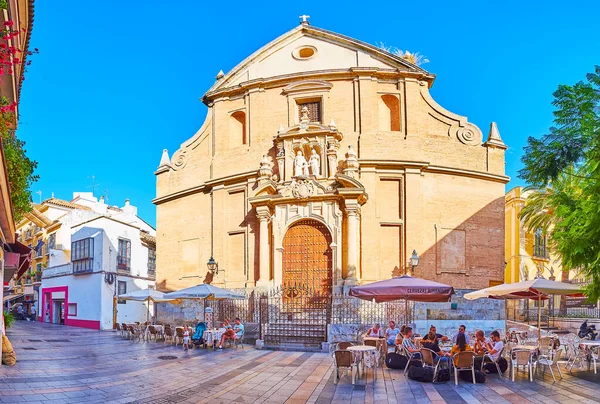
point(367, 356)
point(211, 337)
point(382, 346)
point(589, 344)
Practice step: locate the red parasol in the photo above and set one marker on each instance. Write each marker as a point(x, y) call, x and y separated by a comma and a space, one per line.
point(404, 287)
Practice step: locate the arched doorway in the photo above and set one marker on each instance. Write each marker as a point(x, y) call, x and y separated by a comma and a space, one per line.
point(307, 256)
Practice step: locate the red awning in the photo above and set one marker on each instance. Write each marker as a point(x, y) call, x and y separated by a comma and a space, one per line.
point(18, 258)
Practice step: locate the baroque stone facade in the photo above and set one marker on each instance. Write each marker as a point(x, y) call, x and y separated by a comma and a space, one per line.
point(324, 161)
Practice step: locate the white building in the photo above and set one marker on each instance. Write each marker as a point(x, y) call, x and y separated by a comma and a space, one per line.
point(96, 252)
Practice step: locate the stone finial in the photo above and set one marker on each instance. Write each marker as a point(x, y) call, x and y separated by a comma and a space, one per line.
point(332, 125)
point(281, 129)
point(164, 159)
point(352, 165)
point(494, 138)
point(494, 133)
point(265, 172)
point(220, 75)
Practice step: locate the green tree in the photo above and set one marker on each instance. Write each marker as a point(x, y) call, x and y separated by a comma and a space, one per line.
point(19, 167)
point(567, 161)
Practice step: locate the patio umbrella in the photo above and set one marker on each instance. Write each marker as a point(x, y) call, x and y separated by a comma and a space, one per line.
point(145, 295)
point(536, 289)
point(403, 287)
point(204, 292)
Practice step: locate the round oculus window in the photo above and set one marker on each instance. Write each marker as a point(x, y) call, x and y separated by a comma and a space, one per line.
point(304, 52)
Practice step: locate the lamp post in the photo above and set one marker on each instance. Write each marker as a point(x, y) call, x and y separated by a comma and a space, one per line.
point(213, 266)
point(414, 261)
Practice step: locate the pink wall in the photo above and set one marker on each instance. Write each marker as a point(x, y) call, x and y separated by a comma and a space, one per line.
point(93, 324)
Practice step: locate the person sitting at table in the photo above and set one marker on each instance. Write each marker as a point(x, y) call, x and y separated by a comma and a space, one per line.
point(233, 333)
point(226, 324)
point(430, 341)
point(460, 346)
point(408, 345)
point(391, 333)
point(462, 329)
point(374, 331)
point(495, 346)
point(441, 337)
point(480, 342)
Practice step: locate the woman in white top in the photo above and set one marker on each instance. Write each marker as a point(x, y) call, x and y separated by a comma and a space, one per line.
point(374, 331)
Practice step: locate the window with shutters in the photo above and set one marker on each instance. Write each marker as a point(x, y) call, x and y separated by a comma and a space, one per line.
point(124, 255)
point(313, 109)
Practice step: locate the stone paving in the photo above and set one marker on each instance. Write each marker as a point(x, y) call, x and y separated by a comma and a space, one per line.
point(58, 364)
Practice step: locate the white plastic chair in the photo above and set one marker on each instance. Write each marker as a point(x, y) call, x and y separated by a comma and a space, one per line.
point(521, 357)
point(546, 361)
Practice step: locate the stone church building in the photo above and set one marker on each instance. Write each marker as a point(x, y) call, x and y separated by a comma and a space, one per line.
point(324, 161)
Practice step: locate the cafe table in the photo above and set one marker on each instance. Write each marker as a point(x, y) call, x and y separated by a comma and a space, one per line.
point(589, 344)
point(212, 337)
point(367, 355)
point(382, 346)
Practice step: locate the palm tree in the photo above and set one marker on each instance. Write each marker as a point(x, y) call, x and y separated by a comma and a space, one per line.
point(539, 210)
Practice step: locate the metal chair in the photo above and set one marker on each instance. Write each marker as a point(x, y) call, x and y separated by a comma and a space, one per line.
point(521, 357)
point(409, 355)
point(430, 359)
point(178, 335)
point(487, 358)
point(169, 335)
point(464, 361)
point(344, 359)
point(547, 361)
point(342, 346)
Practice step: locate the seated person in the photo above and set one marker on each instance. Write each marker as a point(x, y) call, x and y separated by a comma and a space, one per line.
point(441, 337)
point(233, 333)
point(391, 333)
point(460, 346)
point(495, 346)
point(430, 341)
point(462, 329)
point(226, 324)
point(374, 331)
point(480, 342)
point(408, 345)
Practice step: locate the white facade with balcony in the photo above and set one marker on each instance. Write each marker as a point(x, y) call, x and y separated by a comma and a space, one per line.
point(87, 269)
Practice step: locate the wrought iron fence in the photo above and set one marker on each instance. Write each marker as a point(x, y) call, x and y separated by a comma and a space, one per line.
point(299, 315)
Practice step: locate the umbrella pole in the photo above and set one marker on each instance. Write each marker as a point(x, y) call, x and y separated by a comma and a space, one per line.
point(406, 311)
point(148, 311)
point(539, 319)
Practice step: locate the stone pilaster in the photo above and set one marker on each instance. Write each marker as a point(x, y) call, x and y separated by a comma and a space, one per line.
point(353, 218)
point(264, 215)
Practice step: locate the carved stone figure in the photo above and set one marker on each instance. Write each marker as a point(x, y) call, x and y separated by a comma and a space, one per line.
point(300, 165)
point(332, 158)
point(315, 163)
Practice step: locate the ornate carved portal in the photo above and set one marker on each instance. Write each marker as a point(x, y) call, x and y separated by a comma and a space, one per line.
point(307, 257)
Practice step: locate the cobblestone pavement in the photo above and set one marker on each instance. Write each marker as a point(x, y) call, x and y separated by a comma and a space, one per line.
point(58, 364)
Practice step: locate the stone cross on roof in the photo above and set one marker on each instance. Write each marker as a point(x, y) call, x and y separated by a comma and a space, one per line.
point(304, 18)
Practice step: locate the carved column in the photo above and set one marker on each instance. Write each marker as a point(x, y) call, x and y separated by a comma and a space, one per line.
point(353, 217)
point(264, 214)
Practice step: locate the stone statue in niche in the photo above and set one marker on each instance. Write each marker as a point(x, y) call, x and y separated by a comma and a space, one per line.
point(332, 157)
point(300, 165)
point(315, 163)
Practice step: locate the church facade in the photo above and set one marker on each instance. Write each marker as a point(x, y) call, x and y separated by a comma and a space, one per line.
point(325, 162)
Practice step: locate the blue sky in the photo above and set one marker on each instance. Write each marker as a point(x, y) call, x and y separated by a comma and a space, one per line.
point(113, 86)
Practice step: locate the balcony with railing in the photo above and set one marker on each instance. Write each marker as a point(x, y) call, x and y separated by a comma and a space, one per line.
point(58, 270)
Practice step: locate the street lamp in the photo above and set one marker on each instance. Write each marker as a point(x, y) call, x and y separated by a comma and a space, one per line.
point(213, 266)
point(414, 261)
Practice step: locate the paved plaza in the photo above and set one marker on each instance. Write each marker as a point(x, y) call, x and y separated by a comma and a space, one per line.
point(58, 364)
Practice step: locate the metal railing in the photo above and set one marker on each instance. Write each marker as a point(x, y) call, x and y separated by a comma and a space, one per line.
point(58, 270)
